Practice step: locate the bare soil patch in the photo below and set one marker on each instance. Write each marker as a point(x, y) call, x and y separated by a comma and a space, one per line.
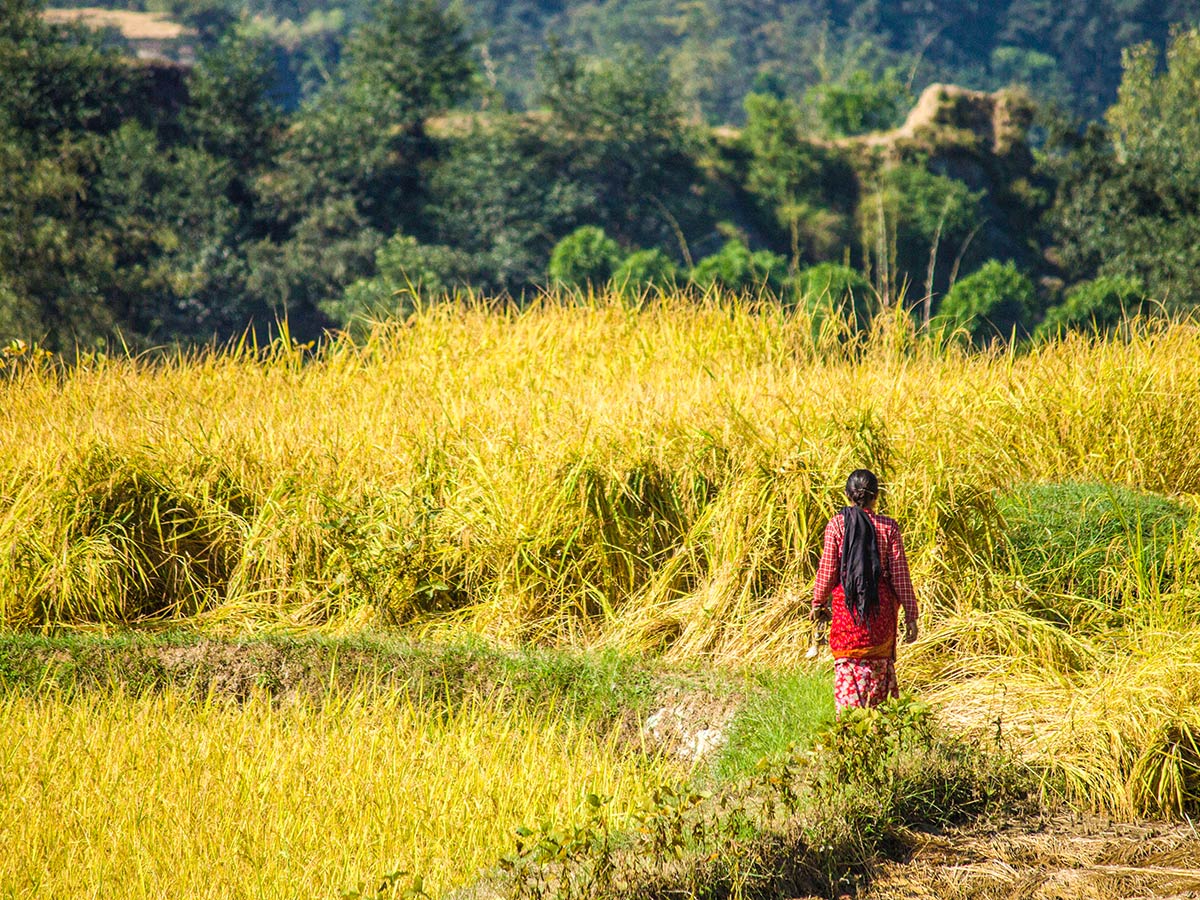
point(1054, 858)
point(133, 25)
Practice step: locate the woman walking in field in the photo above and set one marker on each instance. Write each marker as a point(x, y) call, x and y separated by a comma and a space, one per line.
point(864, 576)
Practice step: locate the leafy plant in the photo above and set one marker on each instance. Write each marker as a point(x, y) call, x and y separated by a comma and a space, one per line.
point(861, 102)
point(1096, 306)
point(645, 269)
point(811, 821)
point(406, 273)
point(586, 256)
point(991, 302)
point(735, 268)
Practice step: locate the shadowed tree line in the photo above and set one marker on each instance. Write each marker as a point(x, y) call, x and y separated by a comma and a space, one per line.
point(150, 203)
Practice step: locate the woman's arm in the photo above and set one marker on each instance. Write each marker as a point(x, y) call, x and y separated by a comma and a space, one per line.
point(827, 571)
point(903, 586)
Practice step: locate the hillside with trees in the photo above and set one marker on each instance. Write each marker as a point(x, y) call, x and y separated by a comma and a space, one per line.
point(408, 148)
point(720, 51)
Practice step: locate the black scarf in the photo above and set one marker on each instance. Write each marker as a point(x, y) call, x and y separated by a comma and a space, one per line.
point(860, 564)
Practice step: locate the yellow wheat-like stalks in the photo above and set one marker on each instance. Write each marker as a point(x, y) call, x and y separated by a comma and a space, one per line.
point(654, 477)
point(111, 795)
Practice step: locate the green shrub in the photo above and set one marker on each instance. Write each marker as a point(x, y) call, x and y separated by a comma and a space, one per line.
point(735, 268)
point(862, 102)
point(586, 256)
point(877, 770)
point(645, 269)
point(830, 289)
point(989, 302)
point(1097, 306)
point(406, 272)
point(1076, 537)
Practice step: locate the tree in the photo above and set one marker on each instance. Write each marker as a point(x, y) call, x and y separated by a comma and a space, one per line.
point(57, 81)
point(585, 257)
point(991, 302)
point(504, 193)
point(416, 55)
point(1128, 202)
point(1032, 69)
point(623, 131)
point(805, 187)
point(101, 229)
point(230, 114)
point(212, 20)
point(1096, 306)
point(170, 224)
point(328, 249)
point(351, 166)
point(54, 266)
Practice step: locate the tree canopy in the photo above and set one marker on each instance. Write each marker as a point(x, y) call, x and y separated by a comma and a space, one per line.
point(156, 202)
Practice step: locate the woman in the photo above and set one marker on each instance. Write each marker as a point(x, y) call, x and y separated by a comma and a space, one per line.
point(864, 575)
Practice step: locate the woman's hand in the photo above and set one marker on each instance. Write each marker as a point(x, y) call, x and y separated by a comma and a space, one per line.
point(910, 630)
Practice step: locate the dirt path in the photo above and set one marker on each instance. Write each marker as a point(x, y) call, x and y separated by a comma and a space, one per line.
point(1051, 859)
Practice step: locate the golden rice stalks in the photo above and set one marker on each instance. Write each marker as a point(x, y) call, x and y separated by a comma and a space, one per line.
point(651, 477)
point(162, 796)
point(1120, 736)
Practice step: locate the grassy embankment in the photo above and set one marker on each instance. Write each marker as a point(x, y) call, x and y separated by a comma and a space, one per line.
point(597, 477)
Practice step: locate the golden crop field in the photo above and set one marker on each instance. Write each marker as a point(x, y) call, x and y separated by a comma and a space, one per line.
point(647, 479)
point(117, 796)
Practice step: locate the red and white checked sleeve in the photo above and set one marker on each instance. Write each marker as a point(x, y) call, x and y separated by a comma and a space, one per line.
point(831, 559)
point(901, 580)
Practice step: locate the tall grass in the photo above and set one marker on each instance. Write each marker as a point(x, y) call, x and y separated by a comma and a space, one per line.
point(654, 478)
point(112, 795)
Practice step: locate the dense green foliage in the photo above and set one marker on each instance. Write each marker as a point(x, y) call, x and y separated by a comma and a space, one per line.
point(736, 268)
point(722, 51)
point(342, 167)
point(586, 256)
point(862, 104)
point(645, 269)
point(989, 303)
point(1097, 306)
point(1128, 200)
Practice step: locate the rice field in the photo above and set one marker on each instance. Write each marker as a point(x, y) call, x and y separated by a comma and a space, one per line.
point(651, 479)
point(112, 795)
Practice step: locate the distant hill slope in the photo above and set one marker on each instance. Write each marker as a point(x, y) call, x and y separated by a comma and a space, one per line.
point(722, 49)
point(148, 35)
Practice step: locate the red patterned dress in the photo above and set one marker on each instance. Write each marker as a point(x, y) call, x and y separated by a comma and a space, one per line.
point(864, 653)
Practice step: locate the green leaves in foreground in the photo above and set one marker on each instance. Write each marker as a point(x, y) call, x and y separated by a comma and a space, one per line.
point(808, 823)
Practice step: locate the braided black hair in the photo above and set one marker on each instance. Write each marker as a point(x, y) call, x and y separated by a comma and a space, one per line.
point(859, 570)
point(862, 487)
